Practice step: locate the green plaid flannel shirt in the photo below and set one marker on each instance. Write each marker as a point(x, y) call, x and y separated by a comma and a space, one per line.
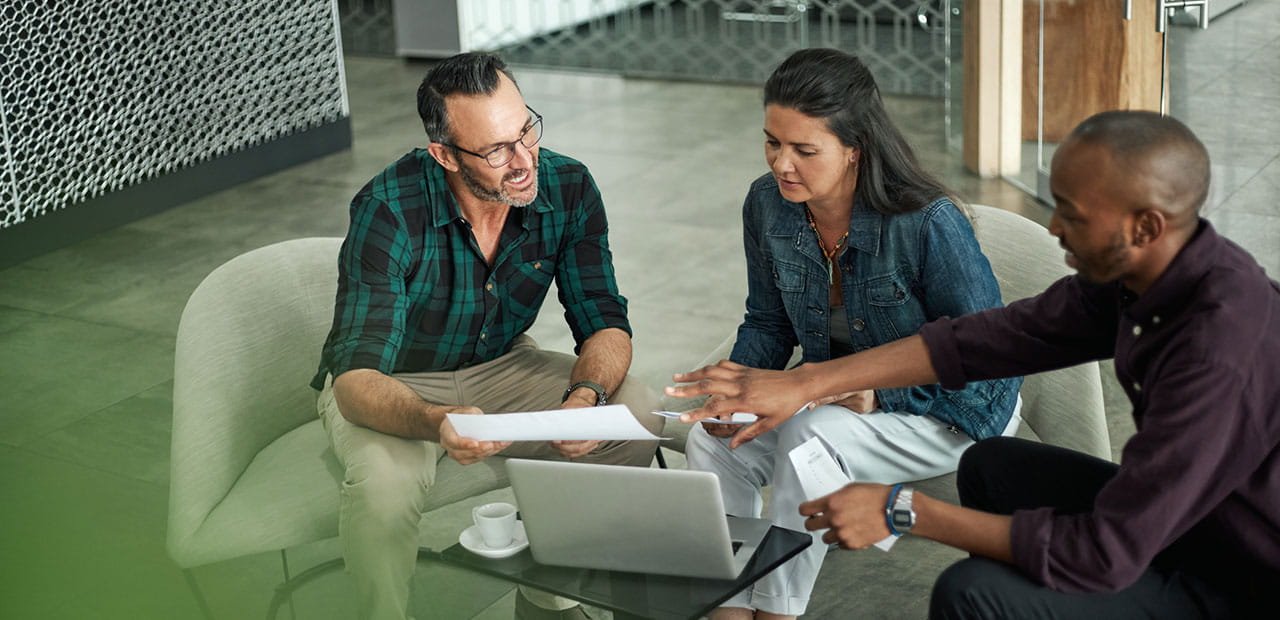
point(415, 294)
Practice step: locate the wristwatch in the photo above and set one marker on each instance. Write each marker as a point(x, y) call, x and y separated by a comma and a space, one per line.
point(901, 516)
point(601, 397)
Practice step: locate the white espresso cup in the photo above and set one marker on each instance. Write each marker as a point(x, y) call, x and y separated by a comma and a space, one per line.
point(496, 522)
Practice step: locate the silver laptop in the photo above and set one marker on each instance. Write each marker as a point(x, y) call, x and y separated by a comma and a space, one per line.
point(632, 519)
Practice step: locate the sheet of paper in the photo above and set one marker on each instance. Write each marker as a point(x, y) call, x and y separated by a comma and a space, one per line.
point(820, 475)
point(604, 423)
point(738, 418)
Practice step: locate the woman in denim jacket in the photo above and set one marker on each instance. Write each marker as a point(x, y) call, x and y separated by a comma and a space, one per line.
point(849, 245)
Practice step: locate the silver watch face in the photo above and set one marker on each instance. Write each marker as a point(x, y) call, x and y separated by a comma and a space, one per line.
point(902, 516)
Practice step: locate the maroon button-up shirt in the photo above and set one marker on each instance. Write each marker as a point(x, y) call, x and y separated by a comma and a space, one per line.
point(1199, 356)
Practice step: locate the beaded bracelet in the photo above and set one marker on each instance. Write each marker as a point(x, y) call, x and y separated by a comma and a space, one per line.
point(888, 509)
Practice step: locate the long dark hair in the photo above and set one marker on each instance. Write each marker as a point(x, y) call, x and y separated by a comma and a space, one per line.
point(833, 85)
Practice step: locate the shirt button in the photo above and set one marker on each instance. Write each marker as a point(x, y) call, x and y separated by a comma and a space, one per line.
point(484, 335)
point(859, 324)
point(1137, 330)
point(488, 287)
point(1137, 387)
point(1155, 320)
point(537, 265)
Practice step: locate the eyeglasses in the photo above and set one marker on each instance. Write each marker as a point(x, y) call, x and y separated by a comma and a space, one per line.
point(504, 153)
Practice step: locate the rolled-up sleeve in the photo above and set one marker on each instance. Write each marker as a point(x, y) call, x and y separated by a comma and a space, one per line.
point(371, 307)
point(585, 280)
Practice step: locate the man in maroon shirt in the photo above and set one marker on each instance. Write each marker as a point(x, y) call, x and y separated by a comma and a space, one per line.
point(1188, 525)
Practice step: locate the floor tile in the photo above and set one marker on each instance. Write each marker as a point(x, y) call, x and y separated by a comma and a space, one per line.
point(57, 371)
point(84, 544)
point(1257, 195)
point(12, 319)
point(1257, 234)
point(129, 439)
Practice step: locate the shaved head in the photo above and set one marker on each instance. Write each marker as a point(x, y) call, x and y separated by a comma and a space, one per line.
point(1164, 165)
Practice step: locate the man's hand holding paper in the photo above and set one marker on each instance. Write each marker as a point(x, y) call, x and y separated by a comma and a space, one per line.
point(462, 449)
point(610, 422)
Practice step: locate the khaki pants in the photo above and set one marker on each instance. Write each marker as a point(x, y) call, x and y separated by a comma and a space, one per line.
point(388, 478)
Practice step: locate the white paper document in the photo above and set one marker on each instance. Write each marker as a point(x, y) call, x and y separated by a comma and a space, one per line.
point(820, 475)
point(605, 423)
point(738, 418)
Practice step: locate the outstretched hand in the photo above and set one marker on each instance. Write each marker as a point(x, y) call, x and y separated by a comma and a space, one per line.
point(773, 395)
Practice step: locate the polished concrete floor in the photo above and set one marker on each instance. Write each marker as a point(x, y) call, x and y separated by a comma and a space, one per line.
point(87, 332)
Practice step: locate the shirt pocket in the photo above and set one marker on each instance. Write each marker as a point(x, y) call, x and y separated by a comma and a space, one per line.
point(897, 311)
point(531, 274)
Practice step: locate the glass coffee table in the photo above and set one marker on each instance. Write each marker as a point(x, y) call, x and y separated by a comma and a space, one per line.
point(632, 595)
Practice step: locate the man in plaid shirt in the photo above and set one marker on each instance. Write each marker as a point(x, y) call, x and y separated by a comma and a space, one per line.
point(449, 256)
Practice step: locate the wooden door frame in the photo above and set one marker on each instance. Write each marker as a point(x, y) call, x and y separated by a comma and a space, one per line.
point(993, 60)
point(992, 99)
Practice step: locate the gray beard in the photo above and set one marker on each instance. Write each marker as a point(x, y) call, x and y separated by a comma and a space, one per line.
point(489, 194)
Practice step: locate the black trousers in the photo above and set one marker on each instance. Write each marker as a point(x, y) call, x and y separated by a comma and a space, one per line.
point(1002, 475)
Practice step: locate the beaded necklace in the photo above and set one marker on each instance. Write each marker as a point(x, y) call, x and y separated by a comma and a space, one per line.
point(831, 256)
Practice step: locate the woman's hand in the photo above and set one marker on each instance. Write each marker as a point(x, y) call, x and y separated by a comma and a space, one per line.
point(858, 402)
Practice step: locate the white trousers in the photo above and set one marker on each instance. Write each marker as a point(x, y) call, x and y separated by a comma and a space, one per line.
point(887, 448)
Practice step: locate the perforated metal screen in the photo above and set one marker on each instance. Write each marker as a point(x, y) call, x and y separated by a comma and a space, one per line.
point(96, 96)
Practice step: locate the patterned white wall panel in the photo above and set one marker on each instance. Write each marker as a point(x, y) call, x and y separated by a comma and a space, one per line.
point(97, 96)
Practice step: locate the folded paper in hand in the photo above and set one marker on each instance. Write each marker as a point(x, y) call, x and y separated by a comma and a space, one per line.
point(738, 418)
point(820, 475)
point(611, 422)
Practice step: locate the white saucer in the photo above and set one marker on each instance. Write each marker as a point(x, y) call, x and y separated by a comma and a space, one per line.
point(471, 541)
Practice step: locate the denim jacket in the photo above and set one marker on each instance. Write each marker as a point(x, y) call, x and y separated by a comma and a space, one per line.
point(898, 273)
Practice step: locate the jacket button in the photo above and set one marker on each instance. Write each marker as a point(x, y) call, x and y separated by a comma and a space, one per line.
point(898, 294)
point(859, 324)
point(1137, 330)
point(1137, 387)
point(488, 287)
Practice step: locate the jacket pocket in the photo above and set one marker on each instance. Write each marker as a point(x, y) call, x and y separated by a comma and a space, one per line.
point(787, 277)
point(897, 312)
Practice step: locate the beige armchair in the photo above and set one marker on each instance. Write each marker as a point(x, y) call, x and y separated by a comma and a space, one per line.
point(252, 469)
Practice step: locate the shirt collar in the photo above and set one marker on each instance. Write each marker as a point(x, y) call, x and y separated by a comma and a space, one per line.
point(1173, 289)
point(443, 205)
point(864, 228)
